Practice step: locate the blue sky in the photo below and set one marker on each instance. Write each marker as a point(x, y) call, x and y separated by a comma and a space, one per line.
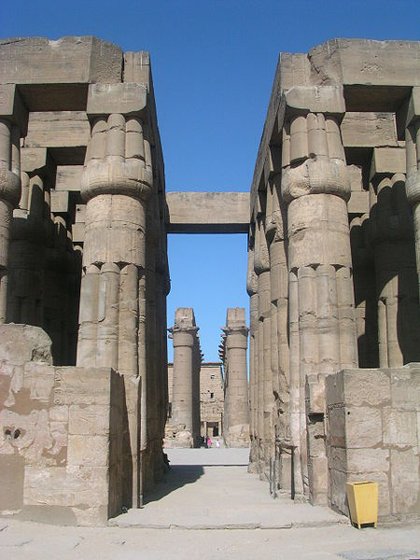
point(213, 67)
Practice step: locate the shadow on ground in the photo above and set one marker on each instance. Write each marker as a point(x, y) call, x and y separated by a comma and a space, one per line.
point(176, 477)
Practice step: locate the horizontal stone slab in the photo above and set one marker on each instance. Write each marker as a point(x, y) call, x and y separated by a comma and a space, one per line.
point(208, 212)
point(72, 60)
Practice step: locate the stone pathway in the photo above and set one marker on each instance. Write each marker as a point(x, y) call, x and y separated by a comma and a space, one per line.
point(210, 508)
point(212, 489)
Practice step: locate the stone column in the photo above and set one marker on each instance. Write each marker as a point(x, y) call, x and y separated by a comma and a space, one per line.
point(32, 233)
point(392, 238)
point(275, 230)
point(316, 187)
point(116, 183)
point(412, 148)
point(236, 407)
point(184, 397)
point(252, 287)
point(265, 381)
point(12, 114)
point(366, 307)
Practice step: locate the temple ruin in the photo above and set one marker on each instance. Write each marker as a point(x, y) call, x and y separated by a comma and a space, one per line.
point(333, 220)
point(332, 276)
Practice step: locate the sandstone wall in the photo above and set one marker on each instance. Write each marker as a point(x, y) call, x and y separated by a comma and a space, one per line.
point(64, 451)
point(372, 434)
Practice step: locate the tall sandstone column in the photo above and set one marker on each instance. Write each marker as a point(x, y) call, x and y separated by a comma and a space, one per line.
point(252, 289)
point(265, 381)
point(116, 183)
point(12, 114)
point(186, 372)
point(392, 238)
point(276, 237)
point(236, 406)
point(316, 188)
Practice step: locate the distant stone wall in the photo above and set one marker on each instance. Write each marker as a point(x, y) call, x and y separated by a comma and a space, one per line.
point(372, 435)
point(62, 430)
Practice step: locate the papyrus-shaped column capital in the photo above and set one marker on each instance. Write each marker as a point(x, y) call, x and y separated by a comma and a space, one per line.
point(118, 158)
point(13, 123)
point(313, 157)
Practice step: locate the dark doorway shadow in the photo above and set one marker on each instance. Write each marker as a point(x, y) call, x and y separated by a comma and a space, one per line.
point(176, 477)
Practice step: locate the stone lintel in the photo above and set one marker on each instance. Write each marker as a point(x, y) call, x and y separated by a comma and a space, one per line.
point(12, 107)
point(126, 98)
point(315, 99)
point(366, 62)
point(68, 177)
point(58, 129)
point(69, 60)
point(387, 161)
point(208, 212)
point(368, 129)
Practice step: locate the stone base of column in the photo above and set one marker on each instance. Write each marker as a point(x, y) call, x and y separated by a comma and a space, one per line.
point(177, 436)
point(237, 436)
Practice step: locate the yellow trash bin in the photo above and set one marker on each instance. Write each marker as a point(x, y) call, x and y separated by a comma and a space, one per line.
point(363, 502)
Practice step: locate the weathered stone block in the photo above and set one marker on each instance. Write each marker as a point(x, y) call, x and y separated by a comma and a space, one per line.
point(12, 106)
point(64, 486)
point(315, 394)
point(68, 177)
point(400, 428)
point(367, 460)
point(337, 459)
point(59, 202)
point(24, 343)
point(59, 413)
point(334, 389)
point(366, 387)
point(405, 483)
point(363, 427)
point(369, 129)
point(89, 420)
point(57, 129)
point(74, 386)
point(387, 160)
point(337, 490)
point(69, 60)
point(337, 426)
point(328, 99)
point(87, 450)
point(405, 389)
point(125, 98)
point(39, 380)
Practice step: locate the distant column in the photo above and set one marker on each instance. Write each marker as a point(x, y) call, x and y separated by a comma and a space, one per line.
point(236, 408)
point(186, 386)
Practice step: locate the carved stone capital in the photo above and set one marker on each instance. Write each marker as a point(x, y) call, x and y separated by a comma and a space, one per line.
point(316, 176)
